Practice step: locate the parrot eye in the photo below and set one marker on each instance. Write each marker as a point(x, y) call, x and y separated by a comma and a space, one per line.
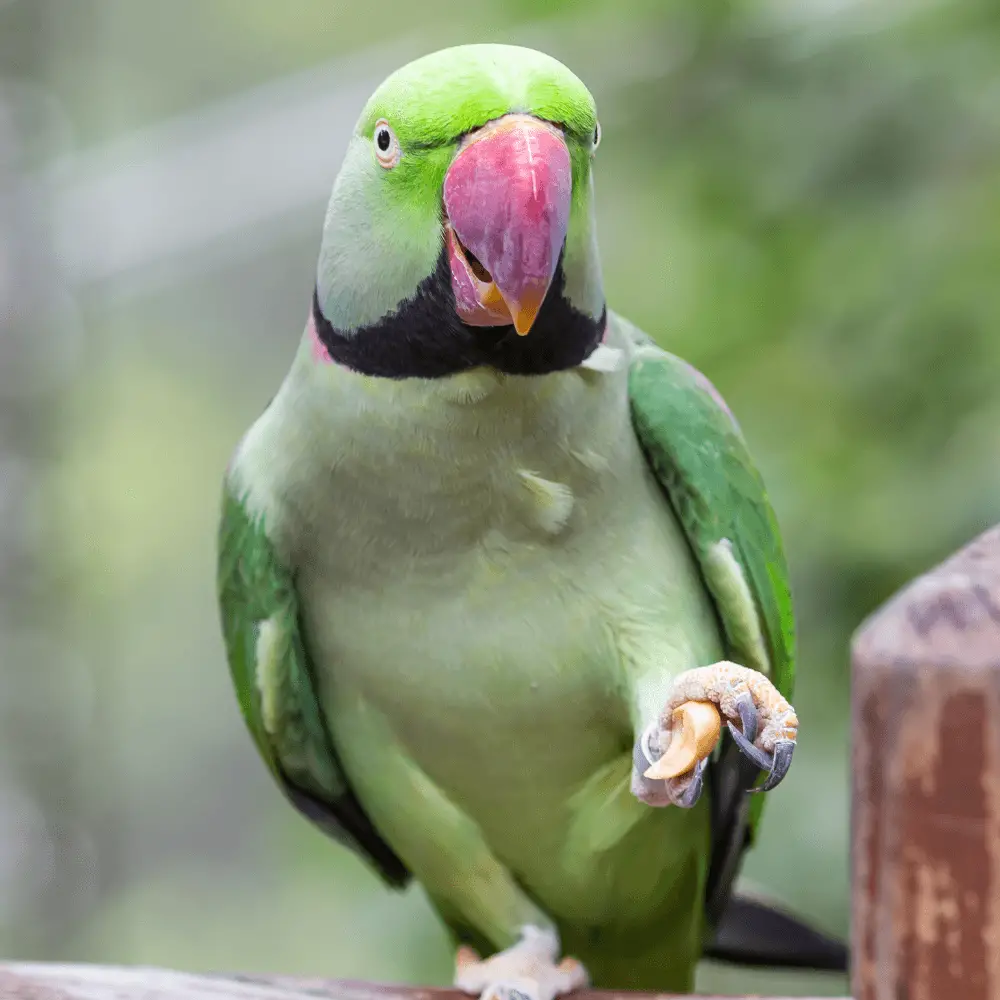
point(386, 145)
point(597, 138)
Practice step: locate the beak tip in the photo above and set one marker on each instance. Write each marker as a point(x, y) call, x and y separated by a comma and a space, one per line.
point(525, 313)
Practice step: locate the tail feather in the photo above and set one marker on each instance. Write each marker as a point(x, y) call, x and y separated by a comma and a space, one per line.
point(752, 932)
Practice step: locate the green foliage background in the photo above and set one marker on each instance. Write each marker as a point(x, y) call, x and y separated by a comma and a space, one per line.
point(802, 199)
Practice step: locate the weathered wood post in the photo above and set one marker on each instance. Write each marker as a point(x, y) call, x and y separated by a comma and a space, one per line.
point(926, 799)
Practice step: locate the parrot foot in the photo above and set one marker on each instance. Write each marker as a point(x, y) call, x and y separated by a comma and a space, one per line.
point(526, 971)
point(761, 721)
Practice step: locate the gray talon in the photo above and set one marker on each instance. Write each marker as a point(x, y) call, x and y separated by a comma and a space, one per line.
point(782, 761)
point(761, 759)
point(748, 715)
point(692, 793)
point(776, 764)
point(500, 991)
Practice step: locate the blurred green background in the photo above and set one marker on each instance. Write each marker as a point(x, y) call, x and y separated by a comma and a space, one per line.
point(802, 198)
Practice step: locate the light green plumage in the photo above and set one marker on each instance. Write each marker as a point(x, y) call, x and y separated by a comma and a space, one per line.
point(450, 605)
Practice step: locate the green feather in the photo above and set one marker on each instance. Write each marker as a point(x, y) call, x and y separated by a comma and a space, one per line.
point(698, 454)
point(434, 100)
point(272, 676)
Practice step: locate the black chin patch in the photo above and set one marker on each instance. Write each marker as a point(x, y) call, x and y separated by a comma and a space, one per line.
point(425, 338)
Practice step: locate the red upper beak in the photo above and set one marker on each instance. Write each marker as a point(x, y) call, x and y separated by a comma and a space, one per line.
point(507, 197)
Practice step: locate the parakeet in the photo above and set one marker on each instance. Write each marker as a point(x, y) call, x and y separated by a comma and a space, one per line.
point(490, 555)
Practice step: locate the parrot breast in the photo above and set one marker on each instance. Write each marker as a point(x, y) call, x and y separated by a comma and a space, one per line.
point(483, 561)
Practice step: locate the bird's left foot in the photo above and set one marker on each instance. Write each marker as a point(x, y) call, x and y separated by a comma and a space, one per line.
point(530, 970)
point(671, 755)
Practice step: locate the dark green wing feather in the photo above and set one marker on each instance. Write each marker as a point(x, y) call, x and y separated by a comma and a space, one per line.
point(697, 452)
point(273, 677)
point(699, 456)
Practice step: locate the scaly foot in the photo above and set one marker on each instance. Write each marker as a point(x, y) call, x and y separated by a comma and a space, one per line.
point(526, 971)
point(671, 755)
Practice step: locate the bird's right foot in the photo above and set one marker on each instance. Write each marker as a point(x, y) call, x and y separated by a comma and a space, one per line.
point(670, 757)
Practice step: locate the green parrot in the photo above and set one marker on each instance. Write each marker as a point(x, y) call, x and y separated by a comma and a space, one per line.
point(494, 568)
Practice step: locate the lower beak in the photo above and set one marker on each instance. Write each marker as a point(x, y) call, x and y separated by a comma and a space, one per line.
point(507, 199)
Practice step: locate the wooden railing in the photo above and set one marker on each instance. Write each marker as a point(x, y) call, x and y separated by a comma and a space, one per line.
point(925, 816)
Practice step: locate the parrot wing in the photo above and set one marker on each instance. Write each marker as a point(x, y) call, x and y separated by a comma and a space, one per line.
point(696, 451)
point(274, 680)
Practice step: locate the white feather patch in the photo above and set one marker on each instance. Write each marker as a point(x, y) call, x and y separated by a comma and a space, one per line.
point(266, 663)
point(551, 503)
point(732, 591)
point(603, 359)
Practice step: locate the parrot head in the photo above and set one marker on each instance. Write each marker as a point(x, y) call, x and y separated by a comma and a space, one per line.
point(460, 232)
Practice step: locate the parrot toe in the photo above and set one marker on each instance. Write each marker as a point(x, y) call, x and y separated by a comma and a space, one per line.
point(686, 790)
point(783, 751)
point(526, 971)
point(501, 992)
point(509, 991)
point(775, 763)
point(749, 716)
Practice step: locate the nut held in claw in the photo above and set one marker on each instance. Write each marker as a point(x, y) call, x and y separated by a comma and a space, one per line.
point(695, 729)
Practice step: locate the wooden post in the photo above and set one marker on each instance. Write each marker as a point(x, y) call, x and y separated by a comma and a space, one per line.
point(926, 772)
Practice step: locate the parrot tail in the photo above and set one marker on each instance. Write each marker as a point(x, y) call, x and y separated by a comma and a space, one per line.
point(755, 933)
